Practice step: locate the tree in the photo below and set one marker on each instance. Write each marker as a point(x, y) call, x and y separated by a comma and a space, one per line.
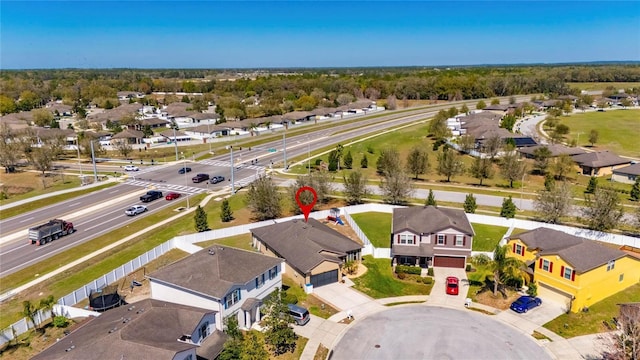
point(201, 220)
point(470, 205)
point(602, 210)
point(554, 203)
point(417, 162)
point(511, 168)
point(635, 190)
point(482, 168)
point(147, 131)
point(29, 310)
point(319, 181)
point(508, 208)
point(625, 343)
point(481, 105)
point(464, 109)
point(348, 160)
point(549, 182)
point(47, 304)
point(364, 163)
point(431, 199)
point(233, 347)
point(263, 199)
point(42, 117)
point(492, 146)
point(7, 105)
point(467, 143)
point(449, 164)
point(9, 148)
point(507, 122)
point(355, 187)
point(389, 161)
point(278, 333)
point(392, 102)
point(593, 184)
point(541, 158)
point(625, 103)
point(124, 147)
point(562, 166)
point(396, 187)
point(226, 214)
point(505, 268)
point(593, 137)
point(438, 125)
point(253, 348)
point(495, 101)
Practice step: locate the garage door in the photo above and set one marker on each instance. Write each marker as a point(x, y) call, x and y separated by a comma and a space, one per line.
point(449, 261)
point(324, 278)
point(547, 293)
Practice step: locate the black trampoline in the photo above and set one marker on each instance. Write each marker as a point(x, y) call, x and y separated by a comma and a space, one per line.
point(105, 299)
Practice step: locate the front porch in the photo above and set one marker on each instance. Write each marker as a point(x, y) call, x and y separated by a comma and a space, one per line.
point(249, 313)
point(421, 261)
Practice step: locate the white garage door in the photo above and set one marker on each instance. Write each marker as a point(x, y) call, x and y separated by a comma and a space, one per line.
point(547, 293)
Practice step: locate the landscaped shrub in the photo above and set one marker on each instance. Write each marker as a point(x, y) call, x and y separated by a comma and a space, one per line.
point(401, 275)
point(318, 162)
point(427, 280)
point(430, 271)
point(414, 270)
point(532, 290)
point(370, 149)
point(290, 299)
point(60, 322)
point(468, 268)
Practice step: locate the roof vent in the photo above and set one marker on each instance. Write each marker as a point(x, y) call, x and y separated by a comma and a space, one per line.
point(212, 252)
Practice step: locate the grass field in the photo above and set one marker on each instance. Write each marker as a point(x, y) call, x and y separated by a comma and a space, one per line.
point(487, 236)
point(377, 227)
point(619, 130)
point(239, 241)
point(602, 85)
point(380, 282)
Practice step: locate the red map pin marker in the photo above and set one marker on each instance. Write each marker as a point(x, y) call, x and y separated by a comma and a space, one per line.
point(306, 209)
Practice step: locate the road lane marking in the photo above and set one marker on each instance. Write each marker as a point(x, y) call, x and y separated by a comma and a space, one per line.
point(25, 220)
point(17, 248)
point(72, 205)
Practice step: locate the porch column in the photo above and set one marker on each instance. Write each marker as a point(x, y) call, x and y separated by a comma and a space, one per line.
point(258, 313)
point(417, 260)
point(247, 319)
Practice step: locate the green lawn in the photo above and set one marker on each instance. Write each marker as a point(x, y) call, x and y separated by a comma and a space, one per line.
point(487, 236)
point(583, 323)
point(309, 301)
point(602, 85)
point(618, 130)
point(476, 280)
point(380, 282)
point(239, 241)
point(377, 227)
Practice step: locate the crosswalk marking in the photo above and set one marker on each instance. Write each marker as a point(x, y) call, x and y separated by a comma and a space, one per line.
point(228, 164)
point(169, 187)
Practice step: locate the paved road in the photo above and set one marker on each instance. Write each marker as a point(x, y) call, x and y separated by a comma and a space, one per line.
point(424, 332)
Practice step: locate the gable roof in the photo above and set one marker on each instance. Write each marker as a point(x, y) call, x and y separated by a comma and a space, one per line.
point(204, 129)
point(152, 329)
point(633, 169)
point(129, 134)
point(430, 219)
point(154, 121)
point(297, 115)
point(599, 159)
point(582, 254)
point(215, 270)
point(556, 150)
point(305, 244)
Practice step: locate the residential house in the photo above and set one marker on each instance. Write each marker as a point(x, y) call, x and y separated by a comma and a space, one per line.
point(115, 115)
point(148, 329)
point(555, 149)
point(314, 252)
point(207, 131)
point(58, 108)
point(298, 116)
point(431, 236)
point(153, 122)
point(200, 117)
point(130, 136)
point(227, 280)
point(599, 163)
point(127, 95)
point(498, 109)
point(174, 135)
point(17, 121)
point(572, 270)
point(628, 174)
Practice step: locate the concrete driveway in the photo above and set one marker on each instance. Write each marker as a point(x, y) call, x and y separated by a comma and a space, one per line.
point(439, 295)
point(344, 299)
point(430, 332)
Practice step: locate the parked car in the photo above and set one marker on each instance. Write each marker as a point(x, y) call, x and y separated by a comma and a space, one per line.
point(130, 168)
point(135, 210)
point(299, 314)
point(200, 178)
point(151, 195)
point(216, 179)
point(525, 303)
point(172, 196)
point(184, 170)
point(452, 285)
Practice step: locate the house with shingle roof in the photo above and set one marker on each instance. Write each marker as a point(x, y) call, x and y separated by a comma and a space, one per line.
point(129, 135)
point(575, 271)
point(599, 163)
point(628, 174)
point(313, 251)
point(555, 149)
point(428, 236)
point(208, 131)
point(229, 281)
point(149, 329)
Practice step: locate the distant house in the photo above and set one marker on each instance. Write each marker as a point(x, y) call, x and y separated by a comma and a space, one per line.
point(207, 131)
point(199, 117)
point(572, 270)
point(16, 121)
point(498, 109)
point(148, 329)
point(130, 136)
point(555, 149)
point(229, 281)
point(599, 163)
point(627, 174)
point(314, 252)
point(175, 135)
point(430, 236)
point(298, 116)
point(152, 122)
point(59, 108)
point(127, 95)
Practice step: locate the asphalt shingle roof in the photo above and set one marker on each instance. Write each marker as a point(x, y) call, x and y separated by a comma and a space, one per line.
point(430, 219)
point(599, 159)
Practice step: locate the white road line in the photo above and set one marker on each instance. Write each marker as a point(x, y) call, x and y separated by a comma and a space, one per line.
point(18, 248)
point(72, 205)
point(113, 192)
point(25, 220)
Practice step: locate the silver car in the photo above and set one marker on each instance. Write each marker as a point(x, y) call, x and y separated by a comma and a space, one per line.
point(135, 210)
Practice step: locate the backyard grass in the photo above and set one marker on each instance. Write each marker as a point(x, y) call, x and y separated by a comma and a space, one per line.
point(591, 322)
point(602, 85)
point(308, 301)
point(380, 282)
point(487, 236)
point(301, 342)
point(376, 226)
point(239, 241)
point(618, 130)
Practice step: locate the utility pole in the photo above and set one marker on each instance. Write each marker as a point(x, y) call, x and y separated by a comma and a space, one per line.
point(284, 151)
point(93, 158)
point(233, 190)
point(175, 142)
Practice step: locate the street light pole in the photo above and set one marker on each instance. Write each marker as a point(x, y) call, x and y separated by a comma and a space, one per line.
point(284, 151)
point(184, 166)
point(175, 142)
point(522, 189)
point(95, 169)
point(233, 191)
point(79, 162)
point(308, 158)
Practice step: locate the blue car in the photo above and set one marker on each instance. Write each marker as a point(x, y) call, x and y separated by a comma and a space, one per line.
point(525, 303)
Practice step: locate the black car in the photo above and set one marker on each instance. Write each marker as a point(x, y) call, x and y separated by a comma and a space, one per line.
point(184, 170)
point(216, 179)
point(151, 195)
point(200, 178)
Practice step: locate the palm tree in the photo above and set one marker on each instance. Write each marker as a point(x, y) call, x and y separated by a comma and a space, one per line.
point(505, 268)
point(252, 128)
point(47, 304)
point(29, 310)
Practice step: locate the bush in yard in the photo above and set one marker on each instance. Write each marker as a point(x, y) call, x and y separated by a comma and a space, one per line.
point(533, 289)
point(508, 208)
point(427, 280)
point(290, 298)
point(401, 275)
point(318, 162)
point(430, 271)
point(414, 270)
point(468, 268)
point(60, 321)
point(226, 214)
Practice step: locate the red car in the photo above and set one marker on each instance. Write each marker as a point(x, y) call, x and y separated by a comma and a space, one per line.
point(452, 285)
point(172, 195)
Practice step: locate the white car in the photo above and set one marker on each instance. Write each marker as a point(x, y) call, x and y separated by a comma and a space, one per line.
point(135, 210)
point(131, 168)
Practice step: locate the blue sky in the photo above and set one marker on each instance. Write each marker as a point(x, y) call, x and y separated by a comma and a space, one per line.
point(238, 34)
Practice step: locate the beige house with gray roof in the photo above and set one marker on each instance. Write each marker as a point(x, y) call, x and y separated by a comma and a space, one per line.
point(599, 163)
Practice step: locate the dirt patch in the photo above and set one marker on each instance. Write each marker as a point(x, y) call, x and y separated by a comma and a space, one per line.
point(498, 301)
point(347, 320)
point(360, 270)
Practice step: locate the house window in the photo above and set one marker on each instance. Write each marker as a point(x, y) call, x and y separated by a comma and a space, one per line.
point(610, 265)
point(273, 273)
point(546, 265)
point(621, 277)
point(232, 298)
point(459, 240)
point(407, 239)
point(204, 331)
point(519, 249)
point(567, 273)
point(440, 240)
point(260, 281)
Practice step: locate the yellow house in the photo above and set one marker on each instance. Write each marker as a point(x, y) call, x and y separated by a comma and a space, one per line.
point(571, 269)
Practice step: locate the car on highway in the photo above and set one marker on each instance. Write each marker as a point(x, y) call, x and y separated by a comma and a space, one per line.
point(131, 168)
point(216, 179)
point(135, 210)
point(151, 195)
point(200, 178)
point(172, 196)
point(184, 170)
point(525, 303)
point(452, 285)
